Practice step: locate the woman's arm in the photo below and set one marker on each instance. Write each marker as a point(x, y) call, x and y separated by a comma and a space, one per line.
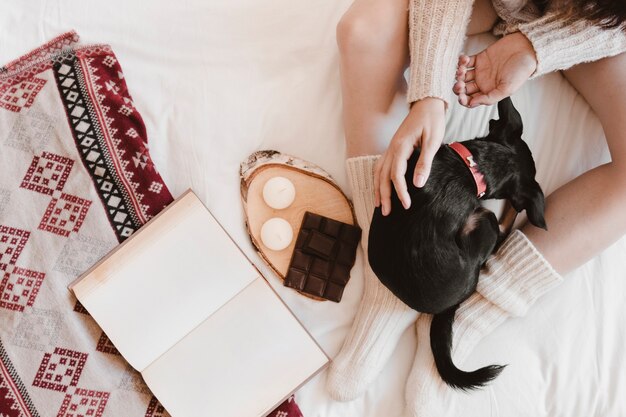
point(561, 42)
point(436, 34)
point(551, 43)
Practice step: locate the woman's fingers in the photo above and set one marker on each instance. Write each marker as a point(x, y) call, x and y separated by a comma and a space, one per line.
point(385, 186)
point(430, 144)
point(465, 75)
point(426, 115)
point(398, 170)
point(463, 99)
point(465, 85)
point(466, 61)
point(377, 168)
point(463, 61)
point(471, 88)
point(393, 170)
point(465, 88)
point(458, 88)
point(460, 74)
point(471, 61)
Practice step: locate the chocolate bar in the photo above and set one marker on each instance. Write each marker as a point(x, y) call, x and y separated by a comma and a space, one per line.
point(324, 254)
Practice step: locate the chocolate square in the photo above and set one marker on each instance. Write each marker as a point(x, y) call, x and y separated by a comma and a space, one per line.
point(302, 238)
point(301, 260)
point(321, 267)
point(320, 245)
point(313, 222)
point(324, 255)
point(315, 285)
point(295, 279)
point(341, 274)
point(331, 227)
point(333, 291)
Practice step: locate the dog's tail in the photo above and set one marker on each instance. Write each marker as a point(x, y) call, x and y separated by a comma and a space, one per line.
point(441, 345)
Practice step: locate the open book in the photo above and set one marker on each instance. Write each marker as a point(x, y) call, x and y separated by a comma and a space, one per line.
point(188, 310)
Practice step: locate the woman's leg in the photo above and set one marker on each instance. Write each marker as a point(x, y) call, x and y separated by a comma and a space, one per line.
point(372, 38)
point(587, 214)
point(373, 44)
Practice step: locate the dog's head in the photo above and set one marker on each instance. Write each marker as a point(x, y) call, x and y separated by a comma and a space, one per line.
point(519, 184)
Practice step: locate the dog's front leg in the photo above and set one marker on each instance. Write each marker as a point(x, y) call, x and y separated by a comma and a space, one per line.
point(505, 225)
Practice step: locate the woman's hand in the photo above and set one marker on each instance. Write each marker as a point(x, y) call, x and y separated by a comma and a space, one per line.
point(423, 128)
point(495, 73)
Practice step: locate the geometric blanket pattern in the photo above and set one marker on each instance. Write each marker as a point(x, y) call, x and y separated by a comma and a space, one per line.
point(76, 179)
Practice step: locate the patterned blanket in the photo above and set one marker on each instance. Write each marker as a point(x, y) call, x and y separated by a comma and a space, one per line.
point(76, 179)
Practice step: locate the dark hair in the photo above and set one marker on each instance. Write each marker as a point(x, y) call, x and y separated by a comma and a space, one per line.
point(608, 14)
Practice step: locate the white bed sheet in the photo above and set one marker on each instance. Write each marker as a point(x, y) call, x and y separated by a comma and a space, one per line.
point(216, 80)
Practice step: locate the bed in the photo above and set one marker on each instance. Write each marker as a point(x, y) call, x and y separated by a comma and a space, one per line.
point(218, 80)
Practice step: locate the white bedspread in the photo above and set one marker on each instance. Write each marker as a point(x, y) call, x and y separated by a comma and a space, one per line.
point(216, 80)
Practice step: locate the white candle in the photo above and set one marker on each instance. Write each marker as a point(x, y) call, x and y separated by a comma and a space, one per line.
point(276, 234)
point(279, 193)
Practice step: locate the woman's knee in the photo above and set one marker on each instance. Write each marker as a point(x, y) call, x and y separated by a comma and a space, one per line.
point(356, 32)
point(368, 28)
point(601, 83)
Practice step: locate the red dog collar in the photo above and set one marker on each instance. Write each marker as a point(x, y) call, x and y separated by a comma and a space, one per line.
point(468, 158)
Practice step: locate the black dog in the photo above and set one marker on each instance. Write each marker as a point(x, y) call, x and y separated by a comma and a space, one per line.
point(430, 255)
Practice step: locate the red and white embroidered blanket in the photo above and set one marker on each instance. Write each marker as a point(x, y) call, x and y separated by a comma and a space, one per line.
point(76, 179)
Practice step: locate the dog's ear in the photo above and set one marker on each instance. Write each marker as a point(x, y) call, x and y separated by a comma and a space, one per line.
point(507, 129)
point(508, 113)
point(531, 199)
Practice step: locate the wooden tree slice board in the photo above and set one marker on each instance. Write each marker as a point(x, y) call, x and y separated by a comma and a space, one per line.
point(315, 192)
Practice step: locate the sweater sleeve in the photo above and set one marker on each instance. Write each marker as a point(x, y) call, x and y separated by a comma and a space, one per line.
point(561, 42)
point(436, 34)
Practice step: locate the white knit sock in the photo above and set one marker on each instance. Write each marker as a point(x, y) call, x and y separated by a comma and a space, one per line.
point(381, 318)
point(509, 284)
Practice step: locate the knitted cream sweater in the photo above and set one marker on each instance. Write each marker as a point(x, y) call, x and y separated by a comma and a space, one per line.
point(437, 32)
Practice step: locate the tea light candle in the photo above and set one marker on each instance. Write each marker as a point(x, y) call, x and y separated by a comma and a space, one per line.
point(276, 234)
point(279, 193)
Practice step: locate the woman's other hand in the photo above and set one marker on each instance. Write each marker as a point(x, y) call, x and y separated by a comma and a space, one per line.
point(495, 73)
point(422, 128)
